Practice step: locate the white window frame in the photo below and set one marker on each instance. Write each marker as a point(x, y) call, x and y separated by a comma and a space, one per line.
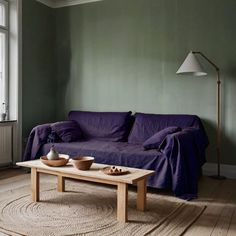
point(5, 30)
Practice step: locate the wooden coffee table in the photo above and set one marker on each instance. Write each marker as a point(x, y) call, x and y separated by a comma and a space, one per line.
point(135, 176)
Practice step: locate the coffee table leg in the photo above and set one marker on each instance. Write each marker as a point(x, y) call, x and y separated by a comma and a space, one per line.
point(60, 183)
point(122, 196)
point(141, 194)
point(34, 184)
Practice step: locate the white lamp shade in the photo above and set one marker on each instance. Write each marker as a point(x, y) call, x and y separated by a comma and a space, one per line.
point(191, 66)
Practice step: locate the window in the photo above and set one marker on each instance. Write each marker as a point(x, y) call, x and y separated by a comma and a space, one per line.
point(4, 32)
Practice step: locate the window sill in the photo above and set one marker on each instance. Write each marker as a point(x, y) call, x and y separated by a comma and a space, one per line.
point(8, 121)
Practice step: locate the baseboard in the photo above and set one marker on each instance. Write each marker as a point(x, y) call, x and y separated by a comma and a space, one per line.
point(229, 171)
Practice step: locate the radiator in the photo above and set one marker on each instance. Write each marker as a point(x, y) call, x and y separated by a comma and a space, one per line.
point(5, 145)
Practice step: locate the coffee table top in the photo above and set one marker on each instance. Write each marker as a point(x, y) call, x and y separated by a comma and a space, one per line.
point(95, 172)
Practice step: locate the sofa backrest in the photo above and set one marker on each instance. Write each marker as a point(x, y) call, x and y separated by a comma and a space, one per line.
point(146, 125)
point(107, 126)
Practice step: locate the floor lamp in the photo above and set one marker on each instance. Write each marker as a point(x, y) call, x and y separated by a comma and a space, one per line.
point(192, 66)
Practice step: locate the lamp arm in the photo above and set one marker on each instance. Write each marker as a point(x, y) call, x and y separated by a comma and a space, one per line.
point(212, 63)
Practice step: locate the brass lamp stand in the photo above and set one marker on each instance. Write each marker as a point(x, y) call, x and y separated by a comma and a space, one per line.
point(192, 66)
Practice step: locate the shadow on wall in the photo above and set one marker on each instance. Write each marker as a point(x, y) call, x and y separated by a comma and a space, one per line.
point(210, 129)
point(227, 145)
point(63, 59)
point(228, 112)
point(228, 142)
point(70, 34)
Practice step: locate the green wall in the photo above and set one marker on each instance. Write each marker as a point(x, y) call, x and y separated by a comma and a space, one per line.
point(38, 72)
point(119, 55)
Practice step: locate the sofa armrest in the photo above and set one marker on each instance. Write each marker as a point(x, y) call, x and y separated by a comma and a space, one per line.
point(43, 129)
point(38, 136)
point(198, 136)
point(185, 152)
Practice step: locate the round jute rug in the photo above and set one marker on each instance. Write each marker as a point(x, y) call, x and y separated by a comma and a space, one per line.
point(87, 209)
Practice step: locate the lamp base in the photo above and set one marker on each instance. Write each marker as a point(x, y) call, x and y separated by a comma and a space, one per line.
point(218, 177)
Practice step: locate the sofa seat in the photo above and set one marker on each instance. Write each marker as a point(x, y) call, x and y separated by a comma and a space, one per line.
point(119, 153)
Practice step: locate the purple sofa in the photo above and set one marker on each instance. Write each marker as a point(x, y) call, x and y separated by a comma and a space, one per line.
point(172, 145)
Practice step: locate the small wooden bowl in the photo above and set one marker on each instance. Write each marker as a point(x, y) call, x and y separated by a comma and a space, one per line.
point(82, 163)
point(62, 161)
point(115, 170)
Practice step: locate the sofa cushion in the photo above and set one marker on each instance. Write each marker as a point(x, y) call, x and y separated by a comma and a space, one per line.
point(68, 131)
point(53, 137)
point(146, 125)
point(155, 141)
point(106, 126)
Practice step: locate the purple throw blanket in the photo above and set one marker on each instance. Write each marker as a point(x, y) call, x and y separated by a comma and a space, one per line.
point(177, 164)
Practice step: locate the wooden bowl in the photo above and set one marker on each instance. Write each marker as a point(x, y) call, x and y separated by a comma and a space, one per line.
point(62, 161)
point(82, 163)
point(115, 170)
